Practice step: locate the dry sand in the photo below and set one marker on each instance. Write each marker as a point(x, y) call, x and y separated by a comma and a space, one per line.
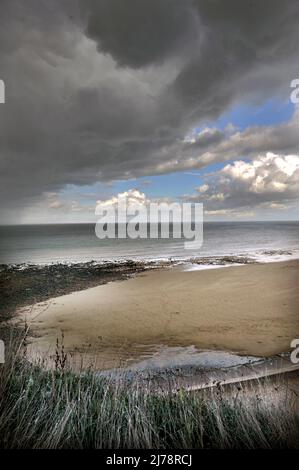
point(250, 310)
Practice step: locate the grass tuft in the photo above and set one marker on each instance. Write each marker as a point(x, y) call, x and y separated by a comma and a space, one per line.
point(58, 408)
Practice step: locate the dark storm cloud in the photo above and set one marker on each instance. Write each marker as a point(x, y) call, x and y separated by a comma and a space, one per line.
point(102, 90)
point(140, 32)
point(248, 51)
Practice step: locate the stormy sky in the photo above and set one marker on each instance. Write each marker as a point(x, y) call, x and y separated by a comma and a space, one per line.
point(176, 99)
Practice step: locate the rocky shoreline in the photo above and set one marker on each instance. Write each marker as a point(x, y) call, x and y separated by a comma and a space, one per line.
point(25, 284)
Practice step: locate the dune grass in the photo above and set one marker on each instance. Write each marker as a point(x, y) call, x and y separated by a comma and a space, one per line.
point(61, 409)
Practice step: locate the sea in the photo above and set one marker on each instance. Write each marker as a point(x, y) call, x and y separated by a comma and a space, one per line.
point(78, 243)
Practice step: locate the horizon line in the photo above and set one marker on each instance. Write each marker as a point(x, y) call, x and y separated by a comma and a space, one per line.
point(94, 222)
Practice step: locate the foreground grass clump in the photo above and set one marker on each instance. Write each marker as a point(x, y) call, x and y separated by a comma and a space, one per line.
point(61, 409)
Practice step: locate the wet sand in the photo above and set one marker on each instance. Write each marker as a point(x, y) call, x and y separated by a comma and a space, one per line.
point(250, 310)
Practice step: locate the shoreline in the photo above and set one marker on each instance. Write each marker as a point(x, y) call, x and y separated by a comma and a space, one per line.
point(24, 284)
point(253, 311)
point(192, 379)
point(261, 396)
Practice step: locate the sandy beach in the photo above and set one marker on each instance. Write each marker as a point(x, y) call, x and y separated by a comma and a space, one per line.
point(249, 310)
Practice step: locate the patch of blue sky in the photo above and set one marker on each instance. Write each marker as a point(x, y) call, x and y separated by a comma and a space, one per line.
point(171, 185)
point(270, 113)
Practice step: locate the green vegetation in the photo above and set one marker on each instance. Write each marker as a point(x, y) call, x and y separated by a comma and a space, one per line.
point(60, 409)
